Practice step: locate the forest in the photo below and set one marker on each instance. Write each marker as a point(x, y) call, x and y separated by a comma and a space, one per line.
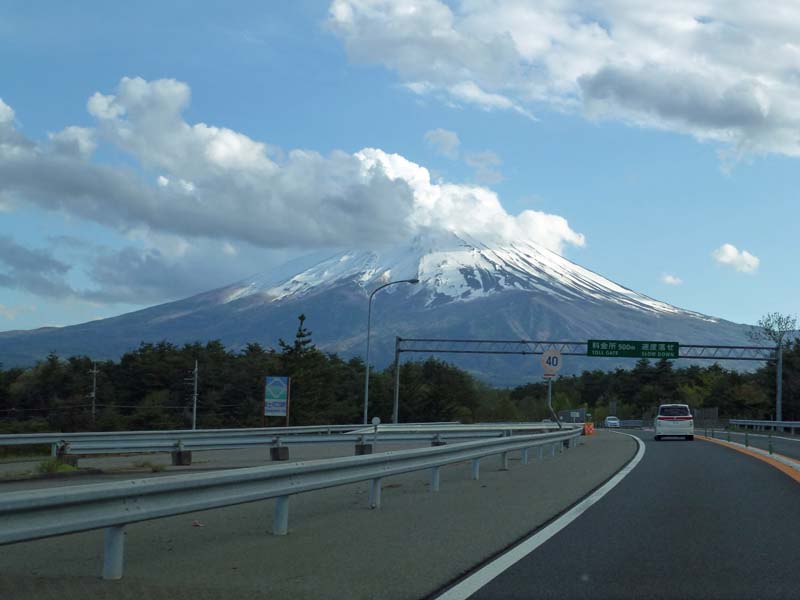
point(151, 387)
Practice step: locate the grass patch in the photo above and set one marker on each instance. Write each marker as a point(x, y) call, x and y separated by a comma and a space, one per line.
point(146, 464)
point(10, 452)
point(54, 466)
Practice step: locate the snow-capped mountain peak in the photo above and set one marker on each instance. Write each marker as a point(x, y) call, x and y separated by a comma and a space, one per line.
point(453, 268)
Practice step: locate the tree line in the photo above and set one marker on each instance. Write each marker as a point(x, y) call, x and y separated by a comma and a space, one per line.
point(151, 388)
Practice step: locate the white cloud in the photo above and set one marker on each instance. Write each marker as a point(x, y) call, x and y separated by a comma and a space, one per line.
point(717, 70)
point(78, 141)
point(6, 113)
point(445, 142)
point(671, 279)
point(471, 210)
point(484, 163)
point(216, 183)
point(741, 260)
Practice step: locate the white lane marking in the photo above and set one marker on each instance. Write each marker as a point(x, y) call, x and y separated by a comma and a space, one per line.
point(485, 574)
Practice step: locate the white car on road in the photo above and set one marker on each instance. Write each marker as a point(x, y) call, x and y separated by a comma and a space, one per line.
point(674, 420)
point(612, 422)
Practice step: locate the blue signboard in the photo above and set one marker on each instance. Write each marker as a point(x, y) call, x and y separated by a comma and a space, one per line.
point(276, 397)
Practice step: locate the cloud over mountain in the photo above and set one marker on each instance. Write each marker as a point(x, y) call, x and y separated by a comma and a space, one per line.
point(199, 185)
point(213, 182)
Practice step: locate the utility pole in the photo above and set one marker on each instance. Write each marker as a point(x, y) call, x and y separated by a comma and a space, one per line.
point(194, 398)
point(93, 395)
point(193, 379)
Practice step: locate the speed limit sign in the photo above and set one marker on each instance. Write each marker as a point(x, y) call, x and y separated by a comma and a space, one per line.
point(551, 362)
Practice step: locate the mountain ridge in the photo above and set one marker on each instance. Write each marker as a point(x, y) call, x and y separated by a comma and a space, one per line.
point(467, 289)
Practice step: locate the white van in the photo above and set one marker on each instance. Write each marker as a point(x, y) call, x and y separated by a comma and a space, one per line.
point(674, 420)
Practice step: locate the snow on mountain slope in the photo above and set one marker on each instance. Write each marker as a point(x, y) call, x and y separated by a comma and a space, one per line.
point(454, 268)
point(468, 289)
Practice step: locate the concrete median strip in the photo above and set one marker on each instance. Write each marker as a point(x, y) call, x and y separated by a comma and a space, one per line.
point(789, 466)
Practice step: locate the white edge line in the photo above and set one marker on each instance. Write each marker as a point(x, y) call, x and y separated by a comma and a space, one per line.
point(465, 588)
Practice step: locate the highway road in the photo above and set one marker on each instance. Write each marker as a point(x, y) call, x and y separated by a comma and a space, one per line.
point(691, 520)
point(336, 547)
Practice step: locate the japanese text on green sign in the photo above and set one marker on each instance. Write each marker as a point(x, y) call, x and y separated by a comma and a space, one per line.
point(632, 349)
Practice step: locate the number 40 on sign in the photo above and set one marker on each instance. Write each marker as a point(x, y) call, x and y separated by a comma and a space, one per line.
point(551, 362)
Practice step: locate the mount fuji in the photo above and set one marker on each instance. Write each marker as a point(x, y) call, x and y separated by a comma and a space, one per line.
point(467, 289)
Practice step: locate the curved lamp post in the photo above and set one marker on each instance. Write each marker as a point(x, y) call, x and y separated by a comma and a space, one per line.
point(369, 320)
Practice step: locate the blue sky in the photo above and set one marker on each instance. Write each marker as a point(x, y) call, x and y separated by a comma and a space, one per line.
point(658, 175)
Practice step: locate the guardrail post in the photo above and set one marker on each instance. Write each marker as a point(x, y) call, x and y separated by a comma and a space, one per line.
point(769, 444)
point(746, 439)
point(524, 456)
point(63, 456)
point(181, 457)
point(540, 453)
point(476, 469)
point(278, 452)
point(113, 552)
point(435, 478)
point(375, 493)
point(552, 449)
point(280, 521)
point(362, 447)
point(504, 461)
point(53, 450)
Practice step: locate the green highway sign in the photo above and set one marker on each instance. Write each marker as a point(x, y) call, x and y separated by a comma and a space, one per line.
point(632, 349)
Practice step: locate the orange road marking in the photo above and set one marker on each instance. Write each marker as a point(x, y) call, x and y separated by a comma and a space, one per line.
point(793, 473)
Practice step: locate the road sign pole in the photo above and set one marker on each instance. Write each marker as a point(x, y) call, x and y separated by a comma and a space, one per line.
point(551, 364)
point(550, 400)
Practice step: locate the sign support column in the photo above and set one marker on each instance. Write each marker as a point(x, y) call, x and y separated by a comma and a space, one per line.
point(551, 363)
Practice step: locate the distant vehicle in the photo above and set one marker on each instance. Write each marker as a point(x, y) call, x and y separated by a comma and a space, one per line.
point(546, 421)
point(674, 420)
point(612, 422)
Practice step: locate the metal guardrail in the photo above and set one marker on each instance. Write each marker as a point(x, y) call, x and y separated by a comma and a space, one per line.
point(43, 513)
point(56, 436)
point(123, 442)
point(761, 425)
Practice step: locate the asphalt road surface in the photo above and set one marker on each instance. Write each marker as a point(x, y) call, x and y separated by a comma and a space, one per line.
point(692, 520)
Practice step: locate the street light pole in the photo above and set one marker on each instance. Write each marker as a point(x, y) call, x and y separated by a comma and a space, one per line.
point(369, 323)
point(779, 380)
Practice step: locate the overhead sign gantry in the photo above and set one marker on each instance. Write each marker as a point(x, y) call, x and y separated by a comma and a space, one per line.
point(591, 348)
